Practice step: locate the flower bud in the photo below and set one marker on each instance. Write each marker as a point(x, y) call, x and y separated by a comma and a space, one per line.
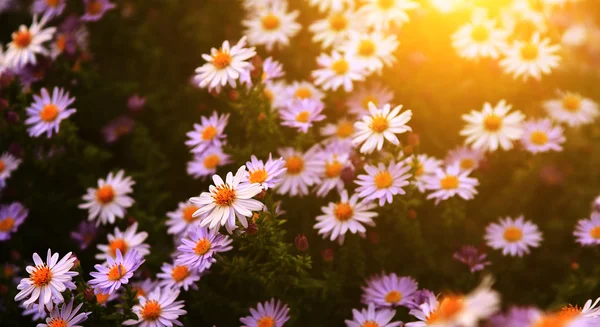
point(301, 242)
point(327, 255)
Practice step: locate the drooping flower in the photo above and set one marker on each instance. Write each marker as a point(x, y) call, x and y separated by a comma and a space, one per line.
point(372, 317)
point(302, 170)
point(358, 102)
point(372, 50)
point(272, 25)
point(182, 220)
point(206, 163)
point(268, 174)
point(587, 232)
point(541, 136)
point(337, 70)
point(50, 8)
point(335, 28)
point(95, 9)
point(47, 280)
point(84, 234)
point(108, 278)
point(572, 109)
point(389, 290)
point(480, 38)
point(380, 125)
point(423, 166)
point(66, 316)
point(334, 158)
point(125, 242)
point(451, 181)
point(382, 14)
point(110, 199)
point(383, 182)
point(177, 276)
point(468, 159)
point(269, 313)
point(514, 237)
point(11, 217)
point(46, 112)
point(27, 43)
point(530, 59)
point(208, 134)
point(199, 246)
point(227, 200)
point(472, 257)
point(158, 309)
point(301, 114)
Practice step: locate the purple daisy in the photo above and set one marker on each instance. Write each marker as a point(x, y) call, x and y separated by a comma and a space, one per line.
point(270, 313)
point(46, 112)
point(389, 290)
point(587, 232)
point(208, 134)
point(268, 175)
point(50, 8)
point(11, 217)
point(472, 257)
point(116, 128)
point(199, 246)
point(84, 234)
point(109, 278)
point(302, 113)
point(95, 9)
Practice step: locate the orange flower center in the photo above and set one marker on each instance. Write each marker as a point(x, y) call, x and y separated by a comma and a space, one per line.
point(202, 246)
point(513, 234)
point(480, 33)
point(2, 166)
point(116, 272)
point(340, 66)
point(94, 7)
point(419, 169)
point(383, 179)
point(595, 232)
point(7, 224)
point(57, 322)
point(224, 195)
point(49, 113)
point(370, 323)
point(188, 213)
point(151, 310)
point(538, 138)
point(529, 52)
point(343, 211)
point(572, 102)
point(101, 298)
point(61, 42)
point(333, 169)
point(294, 165)
point(211, 161)
point(52, 3)
point(369, 98)
point(117, 244)
point(302, 117)
point(179, 273)
point(209, 133)
point(338, 22)
point(265, 321)
point(492, 123)
point(270, 22)
point(449, 182)
point(379, 124)
point(138, 291)
point(554, 320)
point(303, 93)
point(221, 59)
point(366, 48)
point(344, 129)
point(258, 176)
point(41, 275)
point(105, 194)
point(467, 163)
point(449, 307)
point(385, 4)
point(393, 297)
point(22, 39)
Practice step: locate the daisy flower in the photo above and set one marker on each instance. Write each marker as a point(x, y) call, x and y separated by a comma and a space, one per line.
point(331, 5)
point(381, 14)
point(458, 310)
point(66, 316)
point(274, 92)
point(389, 290)
point(423, 166)
point(51, 8)
point(479, 39)
point(371, 50)
point(29, 42)
point(492, 127)
point(514, 236)
point(358, 102)
point(225, 65)
point(372, 317)
point(383, 182)
point(342, 131)
point(117, 128)
point(158, 309)
point(182, 220)
point(335, 28)
point(178, 276)
point(349, 214)
point(467, 158)
point(302, 90)
point(34, 311)
point(206, 163)
point(302, 113)
point(84, 234)
point(530, 59)
point(331, 162)
point(208, 134)
point(270, 313)
point(110, 199)
point(337, 70)
point(572, 109)
point(109, 277)
point(380, 125)
point(11, 217)
point(272, 25)
point(144, 287)
point(227, 200)
point(199, 246)
point(301, 170)
point(541, 136)
point(95, 9)
point(46, 112)
point(271, 69)
point(125, 242)
point(268, 174)
point(472, 257)
point(450, 181)
point(587, 231)
point(47, 280)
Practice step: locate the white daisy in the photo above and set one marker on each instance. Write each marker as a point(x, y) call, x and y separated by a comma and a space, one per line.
point(450, 181)
point(572, 109)
point(274, 92)
point(302, 90)
point(382, 124)
point(66, 316)
point(372, 317)
point(199, 246)
point(110, 199)
point(382, 14)
point(177, 276)
point(587, 232)
point(225, 65)
point(47, 280)
point(358, 102)
point(125, 242)
point(158, 309)
point(181, 220)
point(206, 163)
point(332, 5)
point(541, 136)
point(29, 42)
point(337, 70)
point(228, 199)
point(342, 131)
point(390, 290)
point(467, 158)
point(268, 174)
point(530, 59)
point(301, 113)
point(108, 278)
point(349, 214)
point(479, 38)
point(514, 236)
point(8, 164)
point(335, 28)
point(208, 134)
point(492, 127)
point(272, 25)
point(271, 69)
point(331, 162)
point(302, 171)
point(423, 166)
point(371, 50)
point(46, 112)
point(383, 182)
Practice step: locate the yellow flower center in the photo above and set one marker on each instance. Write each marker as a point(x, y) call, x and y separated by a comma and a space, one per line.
point(340, 66)
point(383, 179)
point(41, 275)
point(393, 297)
point(211, 161)
point(202, 246)
point(105, 194)
point(117, 244)
point(480, 33)
point(385, 4)
point(7, 224)
point(467, 163)
point(302, 117)
point(449, 182)
point(221, 59)
point(379, 124)
point(538, 138)
point(529, 52)
point(270, 22)
point(188, 213)
point(22, 39)
point(572, 102)
point(595, 232)
point(366, 48)
point(151, 310)
point(303, 93)
point(57, 322)
point(94, 7)
point(448, 308)
point(265, 321)
point(209, 133)
point(224, 195)
point(294, 165)
point(52, 3)
point(492, 122)
point(333, 169)
point(513, 234)
point(49, 113)
point(338, 22)
point(116, 272)
point(179, 273)
point(258, 176)
point(369, 98)
point(269, 95)
point(343, 211)
point(344, 130)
